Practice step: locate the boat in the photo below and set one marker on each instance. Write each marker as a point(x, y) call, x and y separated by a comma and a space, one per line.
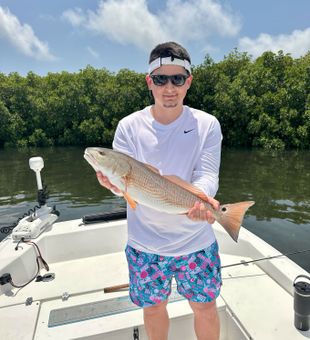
point(69, 280)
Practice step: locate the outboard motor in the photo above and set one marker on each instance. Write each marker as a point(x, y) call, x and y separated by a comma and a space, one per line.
point(302, 302)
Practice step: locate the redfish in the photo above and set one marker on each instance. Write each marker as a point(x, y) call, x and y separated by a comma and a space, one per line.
point(142, 184)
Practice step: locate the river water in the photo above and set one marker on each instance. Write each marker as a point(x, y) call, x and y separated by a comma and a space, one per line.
point(279, 183)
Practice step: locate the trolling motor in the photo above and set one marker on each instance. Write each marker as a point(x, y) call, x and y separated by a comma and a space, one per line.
point(34, 224)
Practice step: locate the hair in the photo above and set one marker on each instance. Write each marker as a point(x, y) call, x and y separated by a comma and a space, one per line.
point(169, 49)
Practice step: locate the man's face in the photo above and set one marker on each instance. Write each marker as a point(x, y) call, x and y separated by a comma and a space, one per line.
point(169, 96)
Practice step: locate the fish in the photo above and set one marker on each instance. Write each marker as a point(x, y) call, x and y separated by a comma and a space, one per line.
point(142, 183)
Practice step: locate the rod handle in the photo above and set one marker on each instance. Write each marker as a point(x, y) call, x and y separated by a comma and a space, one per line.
point(116, 288)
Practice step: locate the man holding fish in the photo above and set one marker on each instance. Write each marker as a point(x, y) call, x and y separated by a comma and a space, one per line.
point(180, 148)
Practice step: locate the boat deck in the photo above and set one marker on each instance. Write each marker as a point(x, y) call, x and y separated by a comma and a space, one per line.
point(243, 286)
point(252, 305)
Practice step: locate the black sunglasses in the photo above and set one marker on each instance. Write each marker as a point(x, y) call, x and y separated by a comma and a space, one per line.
point(162, 79)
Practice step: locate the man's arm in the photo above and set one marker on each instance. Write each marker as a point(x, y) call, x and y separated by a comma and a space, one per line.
point(206, 174)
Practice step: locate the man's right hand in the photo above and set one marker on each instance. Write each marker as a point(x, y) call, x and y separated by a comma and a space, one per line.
point(104, 181)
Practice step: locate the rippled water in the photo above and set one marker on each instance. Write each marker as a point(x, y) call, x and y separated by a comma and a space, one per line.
point(279, 182)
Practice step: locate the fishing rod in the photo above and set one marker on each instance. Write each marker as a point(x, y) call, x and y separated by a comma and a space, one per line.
point(116, 288)
point(264, 258)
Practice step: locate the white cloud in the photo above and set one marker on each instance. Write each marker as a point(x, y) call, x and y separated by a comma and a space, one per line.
point(297, 43)
point(131, 22)
point(126, 22)
point(209, 48)
point(22, 37)
point(198, 19)
point(94, 53)
point(74, 16)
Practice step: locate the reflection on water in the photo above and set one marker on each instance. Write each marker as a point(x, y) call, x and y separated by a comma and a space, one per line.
point(279, 183)
point(72, 184)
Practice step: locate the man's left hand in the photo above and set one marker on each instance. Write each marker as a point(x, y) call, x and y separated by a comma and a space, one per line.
point(200, 212)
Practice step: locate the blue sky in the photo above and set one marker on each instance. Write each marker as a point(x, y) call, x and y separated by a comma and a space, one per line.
point(53, 36)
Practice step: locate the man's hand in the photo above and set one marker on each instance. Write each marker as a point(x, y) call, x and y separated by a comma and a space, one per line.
point(104, 181)
point(200, 212)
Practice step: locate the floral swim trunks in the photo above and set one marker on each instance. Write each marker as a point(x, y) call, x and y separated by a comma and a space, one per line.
point(197, 275)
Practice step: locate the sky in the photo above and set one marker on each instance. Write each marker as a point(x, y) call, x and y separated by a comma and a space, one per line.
point(54, 36)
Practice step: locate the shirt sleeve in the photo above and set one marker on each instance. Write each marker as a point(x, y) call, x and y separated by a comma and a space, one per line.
point(123, 141)
point(206, 172)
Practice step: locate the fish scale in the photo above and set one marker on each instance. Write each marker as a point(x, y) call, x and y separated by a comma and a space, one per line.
point(151, 190)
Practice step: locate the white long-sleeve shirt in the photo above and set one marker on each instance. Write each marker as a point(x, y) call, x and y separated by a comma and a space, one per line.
point(189, 147)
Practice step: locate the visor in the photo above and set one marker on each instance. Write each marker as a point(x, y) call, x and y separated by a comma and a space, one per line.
point(169, 61)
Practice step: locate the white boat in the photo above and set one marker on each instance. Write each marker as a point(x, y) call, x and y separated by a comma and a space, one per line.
point(69, 302)
point(256, 300)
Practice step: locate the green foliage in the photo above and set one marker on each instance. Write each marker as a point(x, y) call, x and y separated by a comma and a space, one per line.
point(260, 103)
point(39, 138)
point(91, 131)
point(4, 123)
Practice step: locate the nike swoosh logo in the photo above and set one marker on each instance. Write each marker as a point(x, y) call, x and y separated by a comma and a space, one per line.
point(187, 131)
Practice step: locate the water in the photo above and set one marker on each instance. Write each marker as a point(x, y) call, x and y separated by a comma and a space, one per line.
point(278, 182)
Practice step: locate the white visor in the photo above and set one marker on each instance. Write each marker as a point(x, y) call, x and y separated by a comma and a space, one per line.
point(169, 61)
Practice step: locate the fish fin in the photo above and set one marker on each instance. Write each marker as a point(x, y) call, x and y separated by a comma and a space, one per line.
point(131, 202)
point(151, 167)
point(187, 186)
point(231, 216)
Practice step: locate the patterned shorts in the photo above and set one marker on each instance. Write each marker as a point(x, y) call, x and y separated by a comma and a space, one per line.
point(197, 275)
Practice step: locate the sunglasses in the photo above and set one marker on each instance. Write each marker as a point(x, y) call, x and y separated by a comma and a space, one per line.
point(162, 79)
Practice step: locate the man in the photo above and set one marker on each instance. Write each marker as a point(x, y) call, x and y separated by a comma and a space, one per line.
point(177, 140)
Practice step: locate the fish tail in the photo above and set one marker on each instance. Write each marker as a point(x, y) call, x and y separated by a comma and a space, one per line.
point(231, 216)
